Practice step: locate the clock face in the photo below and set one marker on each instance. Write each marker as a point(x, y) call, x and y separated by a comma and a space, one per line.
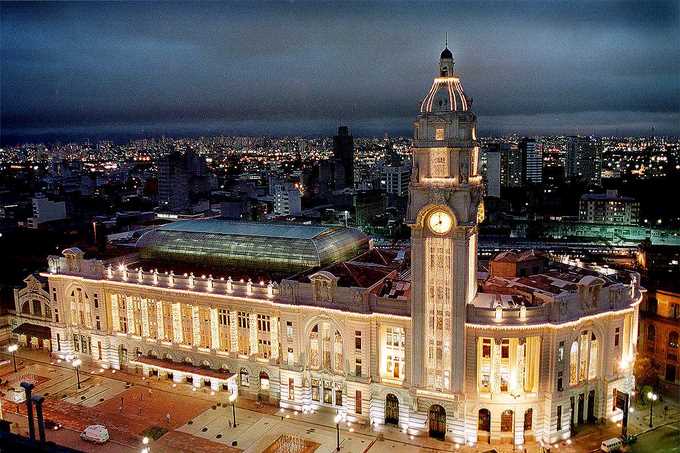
point(440, 222)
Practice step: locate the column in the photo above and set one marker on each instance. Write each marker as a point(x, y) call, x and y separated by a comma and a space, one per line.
point(233, 330)
point(253, 333)
point(159, 320)
point(214, 330)
point(196, 325)
point(496, 365)
point(115, 318)
point(177, 322)
point(408, 339)
point(521, 364)
point(145, 318)
point(130, 314)
point(275, 337)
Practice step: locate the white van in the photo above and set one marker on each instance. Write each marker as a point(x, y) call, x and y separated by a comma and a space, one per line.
point(611, 445)
point(95, 433)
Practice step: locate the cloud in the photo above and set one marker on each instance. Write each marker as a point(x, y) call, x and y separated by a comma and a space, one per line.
point(90, 65)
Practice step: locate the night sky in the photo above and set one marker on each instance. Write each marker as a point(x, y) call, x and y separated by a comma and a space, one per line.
point(301, 68)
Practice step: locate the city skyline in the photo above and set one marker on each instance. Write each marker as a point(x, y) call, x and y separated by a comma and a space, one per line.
point(281, 69)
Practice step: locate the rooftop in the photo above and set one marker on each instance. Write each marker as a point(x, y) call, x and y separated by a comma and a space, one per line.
point(268, 247)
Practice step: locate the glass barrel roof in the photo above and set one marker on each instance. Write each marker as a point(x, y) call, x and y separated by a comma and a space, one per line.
point(265, 246)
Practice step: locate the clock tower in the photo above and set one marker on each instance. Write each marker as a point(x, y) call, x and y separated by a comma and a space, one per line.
point(445, 194)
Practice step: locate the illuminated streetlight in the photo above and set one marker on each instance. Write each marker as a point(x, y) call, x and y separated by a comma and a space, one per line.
point(76, 364)
point(13, 349)
point(232, 399)
point(652, 397)
point(337, 430)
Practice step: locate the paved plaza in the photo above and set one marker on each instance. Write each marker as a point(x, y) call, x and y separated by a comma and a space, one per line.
point(199, 420)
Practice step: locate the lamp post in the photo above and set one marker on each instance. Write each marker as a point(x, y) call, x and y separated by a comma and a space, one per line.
point(232, 400)
point(13, 349)
point(76, 364)
point(337, 431)
point(652, 397)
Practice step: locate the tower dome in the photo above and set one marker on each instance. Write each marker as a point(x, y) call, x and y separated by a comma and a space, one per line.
point(446, 94)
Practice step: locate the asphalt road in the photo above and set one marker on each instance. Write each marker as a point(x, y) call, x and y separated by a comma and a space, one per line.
point(665, 439)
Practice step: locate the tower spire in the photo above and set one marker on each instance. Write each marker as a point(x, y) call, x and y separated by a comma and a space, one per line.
point(446, 40)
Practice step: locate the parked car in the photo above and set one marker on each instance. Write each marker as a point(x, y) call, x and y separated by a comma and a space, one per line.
point(51, 424)
point(611, 445)
point(95, 433)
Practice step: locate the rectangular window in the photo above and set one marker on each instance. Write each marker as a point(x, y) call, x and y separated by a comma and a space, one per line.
point(338, 395)
point(99, 349)
point(290, 356)
point(243, 320)
point(616, 336)
point(56, 315)
point(357, 367)
point(289, 329)
point(291, 389)
point(223, 317)
point(439, 134)
point(98, 323)
point(505, 349)
point(559, 418)
point(263, 323)
point(486, 348)
point(76, 343)
point(315, 389)
point(560, 352)
point(559, 381)
point(58, 342)
point(357, 340)
point(96, 301)
point(357, 402)
point(264, 347)
point(327, 392)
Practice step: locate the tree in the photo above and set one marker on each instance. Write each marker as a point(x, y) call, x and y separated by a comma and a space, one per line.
point(646, 372)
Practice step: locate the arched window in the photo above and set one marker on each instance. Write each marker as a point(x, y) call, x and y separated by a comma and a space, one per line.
point(244, 377)
point(264, 381)
point(26, 308)
point(37, 309)
point(337, 350)
point(506, 421)
point(314, 352)
point(651, 333)
point(592, 365)
point(484, 420)
point(325, 350)
point(573, 364)
point(673, 340)
point(47, 312)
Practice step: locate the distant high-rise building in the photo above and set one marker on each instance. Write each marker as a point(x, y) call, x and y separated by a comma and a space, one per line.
point(338, 172)
point(511, 165)
point(343, 153)
point(493, 170)
point(183, 179)
point(532, 161)
point(287, 199)
point(584, 160)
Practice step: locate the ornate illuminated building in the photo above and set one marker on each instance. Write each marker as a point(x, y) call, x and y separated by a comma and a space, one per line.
point(316, 318)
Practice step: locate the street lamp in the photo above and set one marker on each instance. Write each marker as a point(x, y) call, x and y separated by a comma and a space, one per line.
point(232, 400)
point(145, 442)
point(13, 349)
point(76, 364)
point(652, 397)
point(337, 431)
